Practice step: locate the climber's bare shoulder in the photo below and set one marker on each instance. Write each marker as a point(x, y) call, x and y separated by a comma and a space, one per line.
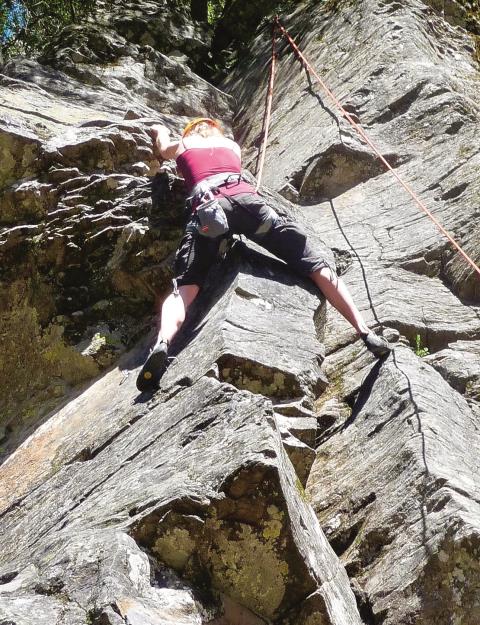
point(166, 149)
point(216, 141)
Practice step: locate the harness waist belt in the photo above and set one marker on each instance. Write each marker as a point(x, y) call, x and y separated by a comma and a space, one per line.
point(207, 185)
point(212, 182)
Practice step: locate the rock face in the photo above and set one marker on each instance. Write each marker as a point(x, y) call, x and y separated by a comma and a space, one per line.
point(85, 238)
point(393, 480)
point(280, 475)
point(242, 527)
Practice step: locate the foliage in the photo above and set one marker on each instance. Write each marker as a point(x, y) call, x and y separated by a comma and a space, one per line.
point(27, 25)
point(215, 9)
point(420, 350)
point(11, 18)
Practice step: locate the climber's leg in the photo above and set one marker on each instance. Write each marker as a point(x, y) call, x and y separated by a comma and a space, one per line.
point(195, 256)
point(336, 292)
point(288, 241)
point(172, 317)
point(174, 309)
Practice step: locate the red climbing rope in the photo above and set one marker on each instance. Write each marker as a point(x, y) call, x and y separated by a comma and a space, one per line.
point(268, 110)
point(361, 132)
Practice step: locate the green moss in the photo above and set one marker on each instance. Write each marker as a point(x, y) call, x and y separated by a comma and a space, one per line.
point(337, 5)
point(451, 579)
point(175, 548)
point(246, 559)
point(472, 389)
point(477, 47)
point(215, 9)
point(247, 566)
point(35, 364)
point(465, 151)
point(335, 388)
point(274, 525)
point(18, 155)
point(8, 165)
point(64, 361)
point(257, 378)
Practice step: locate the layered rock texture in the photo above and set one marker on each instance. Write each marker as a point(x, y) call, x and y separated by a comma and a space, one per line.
point(280, 474)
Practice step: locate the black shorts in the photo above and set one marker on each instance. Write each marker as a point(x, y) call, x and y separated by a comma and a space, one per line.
point(246, 212)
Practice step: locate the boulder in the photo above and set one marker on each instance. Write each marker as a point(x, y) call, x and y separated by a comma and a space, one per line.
point(459, 364)
point(237, 506)
point(394, 489)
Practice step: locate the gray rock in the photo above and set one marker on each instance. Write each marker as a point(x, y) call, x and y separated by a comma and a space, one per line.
point(253, 332)
point(236, 506)
point(395, 492)
point(400, 83)
point(389, 298)
point(193, 505)
point(459, 364)
point(394, 481)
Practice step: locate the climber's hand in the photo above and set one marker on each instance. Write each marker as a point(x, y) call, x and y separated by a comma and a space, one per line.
point(163, 147)
point(159, 131)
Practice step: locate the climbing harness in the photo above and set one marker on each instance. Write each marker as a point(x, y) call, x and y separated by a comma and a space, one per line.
point(213, 182)
point(278, 27)
point(209, 217)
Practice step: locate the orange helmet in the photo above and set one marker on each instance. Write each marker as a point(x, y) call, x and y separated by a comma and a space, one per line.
point(199, 120)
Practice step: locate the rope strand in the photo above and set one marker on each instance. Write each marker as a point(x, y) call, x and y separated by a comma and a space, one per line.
point(268, 111)
point(305, 63)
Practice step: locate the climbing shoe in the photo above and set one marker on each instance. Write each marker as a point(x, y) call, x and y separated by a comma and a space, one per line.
point(154, 367)
point(378, 345)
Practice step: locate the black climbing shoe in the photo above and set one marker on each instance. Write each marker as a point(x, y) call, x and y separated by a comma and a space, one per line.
point(378, 345)
point(154, 367)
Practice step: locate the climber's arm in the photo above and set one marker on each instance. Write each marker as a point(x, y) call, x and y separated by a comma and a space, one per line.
point(163, 146)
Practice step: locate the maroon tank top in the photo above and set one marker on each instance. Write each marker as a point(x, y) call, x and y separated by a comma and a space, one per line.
point(196, 164)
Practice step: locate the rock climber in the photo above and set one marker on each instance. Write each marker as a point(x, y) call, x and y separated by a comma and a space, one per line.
point(211, 165)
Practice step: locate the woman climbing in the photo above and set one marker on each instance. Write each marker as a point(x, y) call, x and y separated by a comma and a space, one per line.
point(211, 166)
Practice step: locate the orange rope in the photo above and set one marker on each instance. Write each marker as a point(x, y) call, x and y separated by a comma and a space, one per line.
point(363, 134)
point(268, 112)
